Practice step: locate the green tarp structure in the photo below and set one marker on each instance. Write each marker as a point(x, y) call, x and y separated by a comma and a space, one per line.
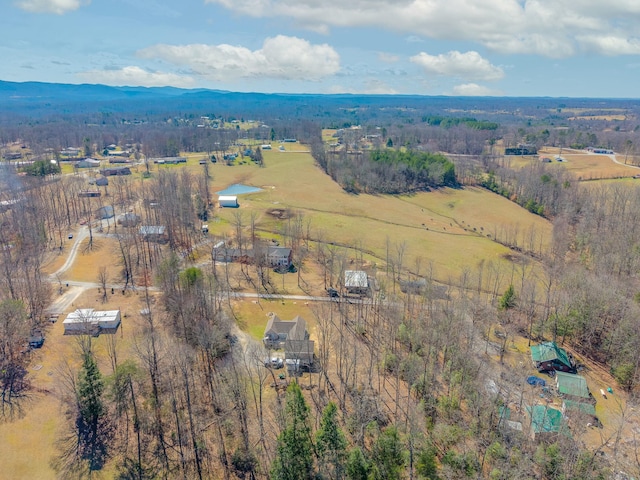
point(545, 419)
point(549, 351)
point(586, 408)
point(574, 385)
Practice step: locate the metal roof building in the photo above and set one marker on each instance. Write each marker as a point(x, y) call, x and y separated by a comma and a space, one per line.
point(90, 321)
point(572, 385)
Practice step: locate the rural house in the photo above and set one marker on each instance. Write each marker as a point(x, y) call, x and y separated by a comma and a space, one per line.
point(87, 321)
point(108, 172)
point(548, 356)
point(87, 163)
point(154, 233)
point(291, 335)
point(129, 219)
point(104, 212)
point(356, 282)
point(279, 256)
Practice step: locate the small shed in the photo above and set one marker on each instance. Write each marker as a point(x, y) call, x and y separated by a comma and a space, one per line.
point(572, 386)
point(102, 181)
point(228, 201)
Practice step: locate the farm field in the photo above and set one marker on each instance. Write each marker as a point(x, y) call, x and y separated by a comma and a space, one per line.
point(436, 226)
point(585, 166)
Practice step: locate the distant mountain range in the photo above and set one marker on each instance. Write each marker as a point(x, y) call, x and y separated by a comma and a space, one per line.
point(29, 101)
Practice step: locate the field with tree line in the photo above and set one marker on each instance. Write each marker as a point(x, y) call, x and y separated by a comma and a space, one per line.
point(414, 379)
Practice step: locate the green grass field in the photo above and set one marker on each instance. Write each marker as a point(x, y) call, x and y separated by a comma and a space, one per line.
point(435, 226)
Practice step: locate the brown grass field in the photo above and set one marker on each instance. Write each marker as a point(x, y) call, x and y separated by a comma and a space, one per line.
point(28, 443)
point(89, 261)
point(583, 165)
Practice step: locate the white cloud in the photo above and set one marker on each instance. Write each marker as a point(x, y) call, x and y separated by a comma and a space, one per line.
point(280, 57)
point(468, 65)
point(552, 28)
point(388, 57)
point(136, 76)
point(612, 45)
point(474, 90)
point(51, 6)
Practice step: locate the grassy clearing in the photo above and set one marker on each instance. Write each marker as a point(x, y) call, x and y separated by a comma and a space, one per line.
point(252, 315)
point(89, 262)
point(28, 444)
point(583, 165)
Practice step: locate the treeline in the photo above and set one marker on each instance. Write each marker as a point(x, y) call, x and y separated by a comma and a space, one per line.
point(386, 171)
point(538, 188)
point(596, 237)
point(447, 122)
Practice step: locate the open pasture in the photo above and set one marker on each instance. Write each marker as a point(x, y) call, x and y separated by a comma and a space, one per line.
point(585, 166)
point(451, 228)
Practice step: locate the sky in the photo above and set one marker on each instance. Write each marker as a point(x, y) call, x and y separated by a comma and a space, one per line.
point(556, 48)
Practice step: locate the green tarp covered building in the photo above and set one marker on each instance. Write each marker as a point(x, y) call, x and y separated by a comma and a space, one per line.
point(572, 385)
point(569, 406)
point(548, 356)
point(545, 421)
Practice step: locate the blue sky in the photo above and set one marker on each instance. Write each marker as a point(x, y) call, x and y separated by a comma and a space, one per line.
point(574, 48)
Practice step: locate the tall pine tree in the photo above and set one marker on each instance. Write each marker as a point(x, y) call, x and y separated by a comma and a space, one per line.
point(331, 444)
point(294, 459)
point(387, 455)
point(91, 422)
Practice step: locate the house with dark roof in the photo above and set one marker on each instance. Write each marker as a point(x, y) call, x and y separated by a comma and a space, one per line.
point(154, 233)
point(549, 357)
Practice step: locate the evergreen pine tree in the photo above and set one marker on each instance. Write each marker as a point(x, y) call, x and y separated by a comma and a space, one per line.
point(91, 422)
point(387, 455)
point(331, 444)
point(294, 459)
point(357, 466)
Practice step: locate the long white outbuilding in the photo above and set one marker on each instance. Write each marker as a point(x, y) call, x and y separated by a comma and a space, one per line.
point(90, 321)
point(228, 201)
